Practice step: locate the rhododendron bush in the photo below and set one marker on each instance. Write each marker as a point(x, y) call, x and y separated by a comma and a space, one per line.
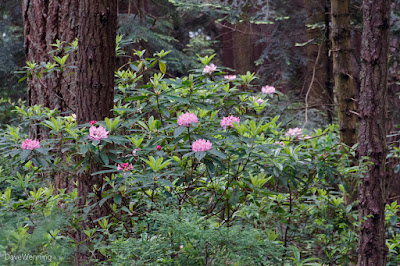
point(209, 144)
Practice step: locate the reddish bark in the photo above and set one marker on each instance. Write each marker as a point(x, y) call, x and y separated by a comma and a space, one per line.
point(44, 23)
point(372, 131)
point(95, 91)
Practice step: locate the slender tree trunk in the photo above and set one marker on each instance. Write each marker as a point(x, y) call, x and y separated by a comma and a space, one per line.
point(372, 131)
point(328, 68)
point(320, 90)
point(95, 91)
point(243, 60)
point(342, 71)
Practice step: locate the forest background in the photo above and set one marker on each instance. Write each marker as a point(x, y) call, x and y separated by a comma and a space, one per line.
point(288, 45)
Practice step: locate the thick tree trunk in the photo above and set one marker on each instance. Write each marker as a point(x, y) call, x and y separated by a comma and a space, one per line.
point(44, 23)
point(96, 60)
point(372, 131)
point(95, 91)
point(342, 71)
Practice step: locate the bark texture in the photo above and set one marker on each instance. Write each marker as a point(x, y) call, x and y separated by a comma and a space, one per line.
point(243, 48)
point(320, 95)
point(95, 91)
point(342, 71)
point(45, 22)
point(372, 131)
point(96, 60)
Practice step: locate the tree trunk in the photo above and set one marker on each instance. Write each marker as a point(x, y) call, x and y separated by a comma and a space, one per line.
point(96, 60)
point(243, 60)
point(320, 91)
point(372, 131)
point(342, 71)
point(328, 68)
point(95, 91)
point(44, 23)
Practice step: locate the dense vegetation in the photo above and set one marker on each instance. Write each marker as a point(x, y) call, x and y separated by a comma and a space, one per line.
point(262, 193)
point(205, 154)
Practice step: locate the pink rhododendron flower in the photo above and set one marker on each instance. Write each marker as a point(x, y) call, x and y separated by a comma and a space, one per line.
point(305, 137)
point(125, 167)
point(208, 69)
point(228, 121)
point(259, 100)
point(158, 147)
point(267, 89)
point(201, 145)
point(293, 132)
point(230, 77)
point(134, 151)
point(280, 143)
point(97, 133)
point(30, 144)
point(187, 118)
point(92, 122)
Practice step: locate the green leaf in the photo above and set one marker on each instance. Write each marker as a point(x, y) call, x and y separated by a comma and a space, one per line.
point(84, 149)
point(200, 155)
point(117, 199)
point(163, 67)
point(104, 200)
point(165, 182)
point(210, 166)
point(105, 171)
point(104, 158)
point(179, 131)
point(187, 154)
point(24, 154)
point(217, 153)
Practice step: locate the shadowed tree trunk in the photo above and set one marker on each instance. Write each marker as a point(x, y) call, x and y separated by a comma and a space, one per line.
point(372, 131)
point(320, 94)
point(95, 91)
point(342, 71)
point(243, 60)
point(44, 23)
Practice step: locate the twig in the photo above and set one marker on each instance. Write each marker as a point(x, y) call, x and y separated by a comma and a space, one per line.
point(311, 83)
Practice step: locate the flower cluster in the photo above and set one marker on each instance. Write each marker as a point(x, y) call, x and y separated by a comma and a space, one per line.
point(294, 132)
point(187, 118)
point(201, 145)
point(267, 89)
point(97, 133)
point(92, 122)
point(30, 144)
point(228, 121)
point(258, 100)
point(305, 137)
point(125, 167)
point(208, 69)
point(230, 77)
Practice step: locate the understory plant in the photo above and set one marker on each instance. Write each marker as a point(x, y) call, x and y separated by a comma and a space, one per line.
point(198, 171)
